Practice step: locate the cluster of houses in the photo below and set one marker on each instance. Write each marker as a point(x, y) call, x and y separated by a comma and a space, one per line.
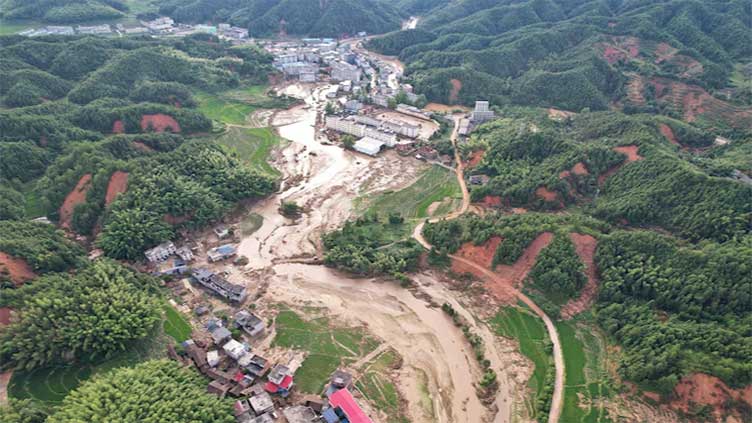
point(262, 389)
point(162, 26)
point(171, 260)
point(372, 133)
point(304, 59)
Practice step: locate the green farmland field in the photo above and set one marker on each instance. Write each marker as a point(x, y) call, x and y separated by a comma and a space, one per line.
point(253, 146)
point(327, 346)
point(435, 185)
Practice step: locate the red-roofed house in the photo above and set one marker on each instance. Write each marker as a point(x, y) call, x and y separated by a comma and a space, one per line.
point(344, 400)
point(282, 387)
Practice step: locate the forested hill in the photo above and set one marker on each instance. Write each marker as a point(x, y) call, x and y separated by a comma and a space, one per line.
point(84, 118)
point(330, 18)
point(63, 11)
point(687, 59)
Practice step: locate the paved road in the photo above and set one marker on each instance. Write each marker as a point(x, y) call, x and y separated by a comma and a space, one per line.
point(558, 397)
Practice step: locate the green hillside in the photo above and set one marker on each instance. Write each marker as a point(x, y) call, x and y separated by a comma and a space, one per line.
point(64, 11)
point(671, 57)
point(79, 109)
point(331, 18)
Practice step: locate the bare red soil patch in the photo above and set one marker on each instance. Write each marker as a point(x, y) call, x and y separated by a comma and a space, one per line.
point(475, 158)
point(667, 132)
point(612, 55)
point(492, 201)
point(4, 316)
point(703, 389)
point(631, 151)
point(482, 254)
point(16, 269)
point(117, 185)
point(507, 276)
point(159, 123)
point(546, 194)
point(76, 196)
point(518, 210)
point(693, 102)
point(585, 246)
point(454, 93)
point(118, 127)
point(579, 169)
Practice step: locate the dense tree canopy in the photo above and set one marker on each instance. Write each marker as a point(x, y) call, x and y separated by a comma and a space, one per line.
point(63, 317)
point(152, 392)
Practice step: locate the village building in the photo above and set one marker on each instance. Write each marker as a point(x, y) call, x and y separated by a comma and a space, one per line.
point(369, 146)
point(248, 418)
point(221, 231)
point(218, 388)
point(279, 380)
point(413, 111)
point(94, 30)
point(219, 285)
point(184, 253)
point(353, 106)
point(161, 25)
point(343, 71)
point(464, 127)
point(249, 323)
point(212, 358)
point(261, 403)
point(481, 113)
point(221, 253)
point(234, 349)
point(221, 335)
point(479, 179)
point(345, 408)
point(161, 252)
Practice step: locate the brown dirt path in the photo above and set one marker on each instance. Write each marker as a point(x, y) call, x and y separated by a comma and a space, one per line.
point(118, 184)
point(503, 287)
point(76, 196)
point(585, 246)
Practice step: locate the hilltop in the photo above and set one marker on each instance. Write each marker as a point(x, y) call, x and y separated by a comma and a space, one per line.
point(682, 59)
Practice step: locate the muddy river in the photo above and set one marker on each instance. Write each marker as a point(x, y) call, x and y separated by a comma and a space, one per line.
point(439, 372)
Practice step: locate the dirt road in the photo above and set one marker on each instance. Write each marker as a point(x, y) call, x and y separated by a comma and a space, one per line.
point(439, 373)
point(556, 402)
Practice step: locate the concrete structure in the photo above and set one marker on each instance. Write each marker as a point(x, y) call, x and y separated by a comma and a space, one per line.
point(413, 111)
point(342, 71)
point(261, 403)
point(95, 29)
point(221, 335)
point(464, 128)
point(481, 113)
point(161, 252)
point(221, 253)
point(348, 126)
point(249, 323)
point(368, 146)
point(345, 405)
point(161, 25)
point(234, 349)
point(387, 137)
point(219, 285)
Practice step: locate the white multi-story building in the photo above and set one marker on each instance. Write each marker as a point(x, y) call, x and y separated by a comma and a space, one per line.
point(481, 113)
point(342, 71)
point(347, 126)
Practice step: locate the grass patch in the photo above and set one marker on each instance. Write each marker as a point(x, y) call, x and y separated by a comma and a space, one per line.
point(251, 223)
point(328, 347)
point(529, 331)
point(222, 109)
point(13, 27)
point(33, 206)
point(176, 325)
point(378, 389)
point(585, 373)
point(412, 202)
point(253, 146)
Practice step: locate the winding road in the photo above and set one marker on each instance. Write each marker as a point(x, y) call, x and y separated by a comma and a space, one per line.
point(556, 402)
